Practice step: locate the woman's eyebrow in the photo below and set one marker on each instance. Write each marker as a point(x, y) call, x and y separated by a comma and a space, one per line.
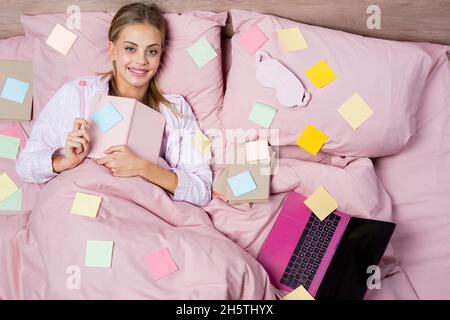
point(151, 45)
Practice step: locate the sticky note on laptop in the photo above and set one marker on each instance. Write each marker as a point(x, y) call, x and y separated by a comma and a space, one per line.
point(7, 187)
point(85, 205)
point(13, 202)
point(9, 146)
point(252, 39)
point(98, 253)
point(257, 150)
point(262, 114)
point(312, 140)
point(320, 74)
point(355, 111)
point(61, 39)
point(242, 183)
point(15, 90)
point(321, 203)
point(292, 39)
point(299, 294)
point(161, 264)
point(202, 52)
point(106, 117)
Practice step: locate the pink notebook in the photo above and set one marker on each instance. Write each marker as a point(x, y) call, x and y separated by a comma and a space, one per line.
point(129, 122)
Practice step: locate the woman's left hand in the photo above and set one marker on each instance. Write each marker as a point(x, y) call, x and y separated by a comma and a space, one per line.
point(122, 161)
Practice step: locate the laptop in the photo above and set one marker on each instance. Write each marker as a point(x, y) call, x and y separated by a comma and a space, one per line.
point(328, 258)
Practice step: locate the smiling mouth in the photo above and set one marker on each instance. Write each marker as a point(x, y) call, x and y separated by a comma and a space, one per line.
point(138, 72)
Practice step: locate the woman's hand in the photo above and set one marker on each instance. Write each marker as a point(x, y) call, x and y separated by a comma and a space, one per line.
point(76, 148)
point(122, 162)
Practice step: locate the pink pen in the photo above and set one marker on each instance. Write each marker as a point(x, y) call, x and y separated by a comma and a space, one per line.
point(82, 84)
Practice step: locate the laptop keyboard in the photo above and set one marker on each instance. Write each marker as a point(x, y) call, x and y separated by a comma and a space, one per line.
point(309, 251)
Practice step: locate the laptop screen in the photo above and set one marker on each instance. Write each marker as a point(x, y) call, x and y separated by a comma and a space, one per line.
point(362, 245)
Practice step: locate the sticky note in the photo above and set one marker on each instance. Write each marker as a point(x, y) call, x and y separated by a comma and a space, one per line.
point(61, 39)
point(262, 114)
point(13, 202)
point(15, 90)
point(160, 264)
point(320, 74)
point(201, 143)
point(321, 203)
point(9, 146)
point(356, 111)
point(7, 187)
point(298, 294)
point(16, 132)
point(202, 52)
point(106, 117)
point(312, 140)
point(98, 253)
point(85, 205)
point(252, 39)
point(292, 39)
point(257, 150)
point(242, 183)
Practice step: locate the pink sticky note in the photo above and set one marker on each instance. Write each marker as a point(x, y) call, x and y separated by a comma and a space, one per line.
point(161, 264)
point(61, 39)
point(252, 39)
point(16, 132)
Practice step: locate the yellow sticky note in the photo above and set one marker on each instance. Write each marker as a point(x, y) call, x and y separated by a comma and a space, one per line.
point(7, 187)
point(292, 39)
point(312, 140)
point(86, 205)
point(320, 74)
point(298, 294)
point(201, 143)
point(321, 203)
point(356, 111)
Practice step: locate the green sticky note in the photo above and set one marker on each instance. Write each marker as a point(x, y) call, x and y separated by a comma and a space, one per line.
point(9, 146)
point(202, 52)
point(13, 202)
point(262, 114)
point(98, 253)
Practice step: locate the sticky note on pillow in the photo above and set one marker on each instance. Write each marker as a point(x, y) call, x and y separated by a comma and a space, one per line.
point(61, 39)
point(15, 132)
point(7, 187)
point(252, 39)
point(320, 74)
point(106, 117)
point(201, 143)
point(13, 202)
point(15, 90)
point(202, 52)
point(161, 264)
point(262, 114)
point(85, 205)
point(292, 39)
point(356, 111)
point(321, 203)
point(241, 184)
point(257, 150)
point(98, 253)
point(9, 146)
point(312, 140)
point(298, 294)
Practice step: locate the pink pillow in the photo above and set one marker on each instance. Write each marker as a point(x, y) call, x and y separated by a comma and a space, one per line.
point(202, 88)
point(388, 75)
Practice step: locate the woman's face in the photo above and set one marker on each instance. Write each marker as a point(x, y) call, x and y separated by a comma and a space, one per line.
point(137, 53)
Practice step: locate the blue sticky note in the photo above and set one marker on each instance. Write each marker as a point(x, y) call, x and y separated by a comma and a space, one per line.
point(13, 202)
point(106, 117)
point(242, 183)
point(15, 90)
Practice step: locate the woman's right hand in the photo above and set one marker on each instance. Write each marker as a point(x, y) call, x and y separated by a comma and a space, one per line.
point(76, 147)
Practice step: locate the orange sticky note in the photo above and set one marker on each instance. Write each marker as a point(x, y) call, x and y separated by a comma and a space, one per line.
point(355, 111)
point(321, 203)
point(86, 205)
point(299, 294)
point(312, 140)
point(257, 150)
point(320, 74)
point(292, 39)
point(61, 39)
point(7, 187)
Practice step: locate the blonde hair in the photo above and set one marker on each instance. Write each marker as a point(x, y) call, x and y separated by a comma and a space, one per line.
point(135, 13)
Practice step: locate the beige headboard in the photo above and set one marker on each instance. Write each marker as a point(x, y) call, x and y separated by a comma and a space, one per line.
point(409, 20)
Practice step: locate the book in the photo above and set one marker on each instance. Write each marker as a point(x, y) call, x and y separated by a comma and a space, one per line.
point(124, 121)
point(16, 90)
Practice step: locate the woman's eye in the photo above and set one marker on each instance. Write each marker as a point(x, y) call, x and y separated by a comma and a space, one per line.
point(152, 52)
point(129, 49)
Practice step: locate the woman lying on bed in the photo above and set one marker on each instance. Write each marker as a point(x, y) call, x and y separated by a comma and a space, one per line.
point(60, 139)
